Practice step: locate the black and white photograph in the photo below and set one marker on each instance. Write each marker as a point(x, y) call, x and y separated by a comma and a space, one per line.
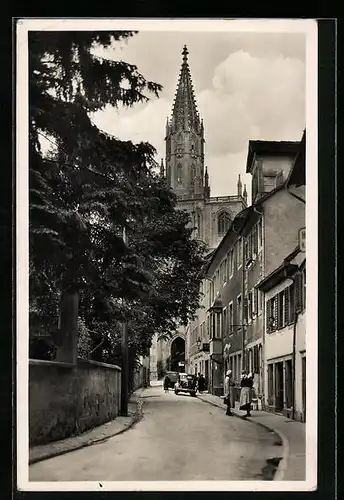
point(166, 298)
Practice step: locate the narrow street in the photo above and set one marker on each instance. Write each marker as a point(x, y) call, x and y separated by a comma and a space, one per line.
point(179, 438)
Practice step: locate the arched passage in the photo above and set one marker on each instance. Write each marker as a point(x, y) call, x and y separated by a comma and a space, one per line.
point(177, 362)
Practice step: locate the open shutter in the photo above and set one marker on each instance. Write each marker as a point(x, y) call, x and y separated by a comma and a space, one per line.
point(298, 296)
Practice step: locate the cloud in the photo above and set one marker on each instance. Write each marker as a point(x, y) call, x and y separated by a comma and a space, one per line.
point(253, 98)
point(247, 85)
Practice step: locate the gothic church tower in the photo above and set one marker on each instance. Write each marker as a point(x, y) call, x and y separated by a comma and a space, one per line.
point(185, 141)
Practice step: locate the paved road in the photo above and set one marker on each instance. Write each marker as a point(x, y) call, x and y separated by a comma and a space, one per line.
point(179, 438)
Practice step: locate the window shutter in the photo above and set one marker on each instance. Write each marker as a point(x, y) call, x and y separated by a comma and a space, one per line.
point(298, 292)
point(279, 310)
point(286, 305)
point(268, 315)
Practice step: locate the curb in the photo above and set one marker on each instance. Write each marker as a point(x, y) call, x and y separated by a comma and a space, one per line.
point(136, 417)
point(282, 467)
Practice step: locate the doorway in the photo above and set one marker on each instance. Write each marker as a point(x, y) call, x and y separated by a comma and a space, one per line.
point(279, 392)
point(206, 373)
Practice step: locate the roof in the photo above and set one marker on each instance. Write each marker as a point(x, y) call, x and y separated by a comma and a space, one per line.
point(297, 174)
point(269, 148)
point(285, 270)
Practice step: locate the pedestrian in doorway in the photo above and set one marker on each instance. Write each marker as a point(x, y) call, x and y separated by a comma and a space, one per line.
point(228, 399)
point(201, 383)
point(166, 383)
point(246, 385)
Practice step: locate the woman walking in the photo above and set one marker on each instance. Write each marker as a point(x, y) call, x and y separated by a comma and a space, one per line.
point(227, 390)
point(246, 393)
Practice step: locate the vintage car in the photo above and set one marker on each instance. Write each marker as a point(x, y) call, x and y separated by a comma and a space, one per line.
point(172, 378)
point(186, 383)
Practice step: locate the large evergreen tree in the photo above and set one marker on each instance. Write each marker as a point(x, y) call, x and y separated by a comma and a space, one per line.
point(88, 188)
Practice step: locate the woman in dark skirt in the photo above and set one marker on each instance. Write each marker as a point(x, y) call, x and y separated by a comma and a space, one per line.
point(246, 393)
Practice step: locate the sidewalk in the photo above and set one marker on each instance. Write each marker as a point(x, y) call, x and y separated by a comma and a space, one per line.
point(292, 434)
point(96, 435)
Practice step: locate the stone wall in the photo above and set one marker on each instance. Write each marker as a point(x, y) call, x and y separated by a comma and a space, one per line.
point(65, 399)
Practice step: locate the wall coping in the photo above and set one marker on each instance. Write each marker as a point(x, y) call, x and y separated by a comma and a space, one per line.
point(99, 363)
point(44, 362)
point(61, 364)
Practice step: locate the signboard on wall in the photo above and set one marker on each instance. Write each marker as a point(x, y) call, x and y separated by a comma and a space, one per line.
point(302, 239)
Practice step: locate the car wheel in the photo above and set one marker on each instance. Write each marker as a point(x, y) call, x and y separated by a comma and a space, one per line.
point(193, 394)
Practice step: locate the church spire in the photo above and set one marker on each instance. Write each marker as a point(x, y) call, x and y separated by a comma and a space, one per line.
point(184, 113)
point(239, 186)
point(245, 193)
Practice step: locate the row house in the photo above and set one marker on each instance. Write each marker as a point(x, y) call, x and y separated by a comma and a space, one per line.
point(224, 274)
point(257, 241)
point(284, 289)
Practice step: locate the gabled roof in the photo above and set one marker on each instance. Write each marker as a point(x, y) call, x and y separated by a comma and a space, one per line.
point(297, 174)
point(269, 148)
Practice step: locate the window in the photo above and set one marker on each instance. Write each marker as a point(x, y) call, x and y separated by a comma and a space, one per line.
point(223, 222)
point(230, 316)
point(246, 250)
point(255, 240)
point(271, 315)
point(224, 271)
point(225, 325)
point(239, 311)
point(179, 174)
point(239, 253)
point(231, 262)
point(257, 301)
point(249, 304)
point(260, 234)
point(212, 291)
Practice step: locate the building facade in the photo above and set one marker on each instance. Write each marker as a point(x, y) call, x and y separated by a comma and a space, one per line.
point(188, 176)
point(259, 238)
point(284, 290)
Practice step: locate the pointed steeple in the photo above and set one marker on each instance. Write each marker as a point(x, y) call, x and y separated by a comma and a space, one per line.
point(162, 169)
point(206, 183)
point(206, 177)
point(239, 186)
point(245, 194)
point(184, 113)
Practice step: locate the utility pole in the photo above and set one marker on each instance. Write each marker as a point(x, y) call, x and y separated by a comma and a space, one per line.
point(125, 357)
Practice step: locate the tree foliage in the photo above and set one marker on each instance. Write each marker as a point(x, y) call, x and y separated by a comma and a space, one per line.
point(87, 188)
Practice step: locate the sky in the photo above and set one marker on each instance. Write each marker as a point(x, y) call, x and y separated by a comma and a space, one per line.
point(247, 86)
